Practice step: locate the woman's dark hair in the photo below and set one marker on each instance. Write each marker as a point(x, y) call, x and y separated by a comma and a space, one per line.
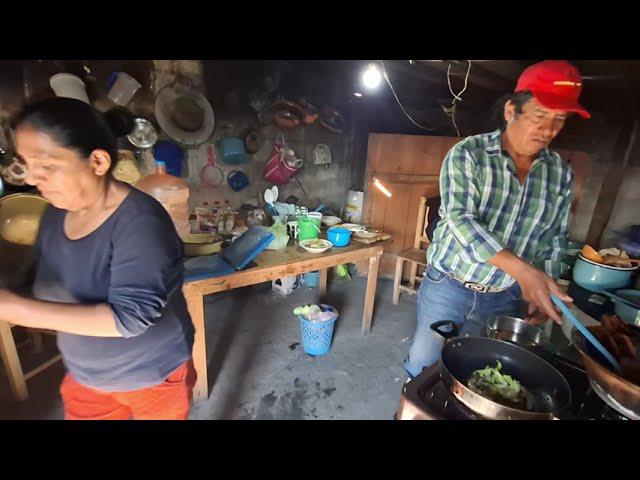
point(75, 125)
point(518, 99)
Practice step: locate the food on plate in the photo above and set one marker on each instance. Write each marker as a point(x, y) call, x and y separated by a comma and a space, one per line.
point(316, 243)
point(499, 387)
point(622, 342)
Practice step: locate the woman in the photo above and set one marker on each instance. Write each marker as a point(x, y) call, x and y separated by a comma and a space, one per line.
point(108, 275)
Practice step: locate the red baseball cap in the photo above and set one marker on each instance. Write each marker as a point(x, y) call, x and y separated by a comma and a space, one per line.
point(555, 84)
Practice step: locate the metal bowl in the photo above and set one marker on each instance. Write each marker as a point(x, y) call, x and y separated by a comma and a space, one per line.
point(20, 216)
point(144, 134)
point(516, 330)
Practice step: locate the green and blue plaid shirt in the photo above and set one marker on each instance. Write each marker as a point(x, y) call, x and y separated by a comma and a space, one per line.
point(486, 209)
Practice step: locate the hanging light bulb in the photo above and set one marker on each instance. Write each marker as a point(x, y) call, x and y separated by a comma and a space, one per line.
point(372, 76)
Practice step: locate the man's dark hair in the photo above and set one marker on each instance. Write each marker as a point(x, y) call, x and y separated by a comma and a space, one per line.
point(518, 99)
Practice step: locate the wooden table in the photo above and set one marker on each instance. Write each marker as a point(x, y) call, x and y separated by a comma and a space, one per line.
point(271, 265)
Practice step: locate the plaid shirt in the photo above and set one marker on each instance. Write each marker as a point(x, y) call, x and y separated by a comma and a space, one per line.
point(486, 209)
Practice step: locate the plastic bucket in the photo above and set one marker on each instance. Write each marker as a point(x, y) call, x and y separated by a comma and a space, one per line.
point(311, 279)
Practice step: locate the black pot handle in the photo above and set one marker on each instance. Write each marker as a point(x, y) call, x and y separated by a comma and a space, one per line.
point(450, 323)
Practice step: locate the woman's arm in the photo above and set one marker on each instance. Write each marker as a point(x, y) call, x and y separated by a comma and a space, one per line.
point(90, 320)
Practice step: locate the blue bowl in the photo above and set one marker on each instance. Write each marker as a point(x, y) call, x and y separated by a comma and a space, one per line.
point(340, 237)
point(596, 277)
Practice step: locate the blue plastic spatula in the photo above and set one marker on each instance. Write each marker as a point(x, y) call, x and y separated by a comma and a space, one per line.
point(586, 333)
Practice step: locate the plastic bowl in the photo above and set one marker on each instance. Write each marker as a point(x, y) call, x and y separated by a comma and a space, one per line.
point(340, 237)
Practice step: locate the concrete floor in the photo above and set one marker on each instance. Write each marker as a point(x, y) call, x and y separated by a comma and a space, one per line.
point(258, 368)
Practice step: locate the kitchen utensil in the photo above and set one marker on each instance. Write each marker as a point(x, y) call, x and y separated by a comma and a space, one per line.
point(332, 120)
point(308, 229)
point(286, 119)
point(549, 391)
point(184, 114)
point(20, 216)
point(237, 180)
point(232, 150)
point(330, 221)
point(627, 304)
point(253, 141)
point(340, 237)
point(597, 277)
point(354, 227)
point(366, 235)
point(196, 244)
point(321, 155)
point(585, 332)
point(619, 393)
point(211, 175)
point(123, 89)
point(271, 195)
point(69, 86)
point(307, 245)
point(144, 134)
point(309, 112)
point(171, 154)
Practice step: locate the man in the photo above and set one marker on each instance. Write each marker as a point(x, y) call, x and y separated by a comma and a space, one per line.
point(505, 207)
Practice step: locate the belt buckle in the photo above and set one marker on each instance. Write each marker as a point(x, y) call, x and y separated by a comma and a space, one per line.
point(477, 287)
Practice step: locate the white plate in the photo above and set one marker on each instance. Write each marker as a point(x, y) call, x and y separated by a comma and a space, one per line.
point(354, 227)
point(330, 221)
point(327, 246)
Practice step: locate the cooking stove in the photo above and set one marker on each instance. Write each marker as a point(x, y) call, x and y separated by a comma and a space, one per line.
point(426, 397)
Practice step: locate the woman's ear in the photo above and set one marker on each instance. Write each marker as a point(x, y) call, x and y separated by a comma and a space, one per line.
point(100, 162)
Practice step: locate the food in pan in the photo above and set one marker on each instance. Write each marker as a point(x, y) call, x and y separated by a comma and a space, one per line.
point(622, 342)
point(499, 387)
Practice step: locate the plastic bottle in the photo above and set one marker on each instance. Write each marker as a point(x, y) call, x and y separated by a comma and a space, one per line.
point(172, 193)
point(229, 217)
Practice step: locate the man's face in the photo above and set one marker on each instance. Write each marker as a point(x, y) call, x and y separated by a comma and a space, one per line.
point(533, 130)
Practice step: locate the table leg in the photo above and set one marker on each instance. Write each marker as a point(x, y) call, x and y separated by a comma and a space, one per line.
point(323, 281)
point(195, 304)
point(370, 295)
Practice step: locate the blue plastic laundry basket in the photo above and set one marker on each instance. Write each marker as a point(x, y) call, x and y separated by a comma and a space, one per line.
point(317, 336)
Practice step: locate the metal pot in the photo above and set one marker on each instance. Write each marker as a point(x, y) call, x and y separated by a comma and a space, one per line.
point(620, 394)
point(596, 277)
point(549, 390)
point(516, 330)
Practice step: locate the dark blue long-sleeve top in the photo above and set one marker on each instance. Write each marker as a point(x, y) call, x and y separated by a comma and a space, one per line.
point(132, 262)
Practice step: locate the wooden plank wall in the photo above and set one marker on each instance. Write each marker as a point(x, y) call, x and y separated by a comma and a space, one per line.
point(409, 166)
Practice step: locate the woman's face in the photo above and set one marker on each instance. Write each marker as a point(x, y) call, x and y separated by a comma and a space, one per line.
point(62, 176)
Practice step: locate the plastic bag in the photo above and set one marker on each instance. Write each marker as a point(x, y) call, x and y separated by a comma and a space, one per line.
point(281, 239)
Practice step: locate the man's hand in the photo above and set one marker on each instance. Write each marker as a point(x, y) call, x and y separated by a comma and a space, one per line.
point(537, 288)
point(536, 285)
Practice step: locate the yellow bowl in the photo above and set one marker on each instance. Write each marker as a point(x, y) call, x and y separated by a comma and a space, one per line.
point(20, 216)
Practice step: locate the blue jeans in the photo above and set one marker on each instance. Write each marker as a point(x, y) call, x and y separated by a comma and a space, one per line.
point(443, 298)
